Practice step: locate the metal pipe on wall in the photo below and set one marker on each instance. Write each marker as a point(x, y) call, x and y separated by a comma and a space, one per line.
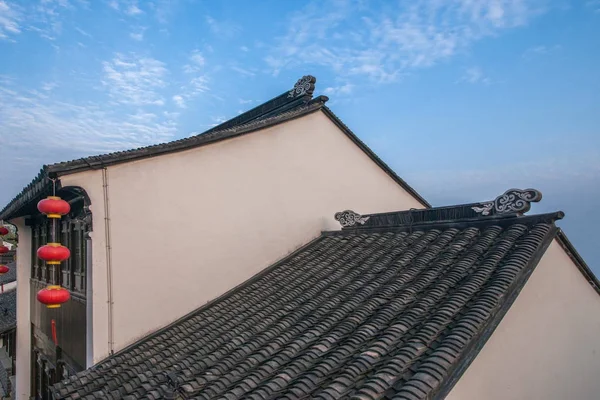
point(89, 302)
point(109, 287)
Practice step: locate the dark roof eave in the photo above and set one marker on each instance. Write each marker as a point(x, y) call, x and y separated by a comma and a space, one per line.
point(8, 328)
point(338, 122)
point(578, 260)
point(96, 162)
point(39, 186)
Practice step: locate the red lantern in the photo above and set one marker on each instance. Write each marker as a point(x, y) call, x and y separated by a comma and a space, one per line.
point(3, 249)
point(53, 296)
point(4, 269)
point(53, 253)
point(3, 231)
point(53, 207)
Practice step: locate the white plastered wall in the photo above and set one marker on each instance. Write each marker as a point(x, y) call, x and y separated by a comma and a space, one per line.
point(548, 344)
point(188, 226)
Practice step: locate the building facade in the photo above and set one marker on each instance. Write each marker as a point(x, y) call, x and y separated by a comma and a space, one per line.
point(230, 235)
point(214, 212)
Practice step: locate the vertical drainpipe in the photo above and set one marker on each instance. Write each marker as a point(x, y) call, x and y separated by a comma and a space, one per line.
point(109, 288)
point(89, 303)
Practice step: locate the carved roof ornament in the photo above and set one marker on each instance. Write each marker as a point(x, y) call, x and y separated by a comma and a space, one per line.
point(511, 202)
point(304, 86)
point(349, 218)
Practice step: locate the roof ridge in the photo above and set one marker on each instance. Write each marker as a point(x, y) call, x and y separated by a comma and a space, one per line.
point(513, 202)
point(545, 218)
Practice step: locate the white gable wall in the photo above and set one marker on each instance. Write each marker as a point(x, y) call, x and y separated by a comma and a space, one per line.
point(188, 226)
point(547, 346)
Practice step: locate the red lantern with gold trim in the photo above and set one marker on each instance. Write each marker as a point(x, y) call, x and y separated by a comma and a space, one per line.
point(53, 296)
point(4, 269)
point(3, 231)
point(53, 207)
point(53, 253)
point(3, 249)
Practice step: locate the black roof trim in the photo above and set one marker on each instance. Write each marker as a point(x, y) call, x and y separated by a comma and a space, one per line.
point(578, 260)
point(38, 188)
point(96, 162)
point(41, 186)
point(547, 218)
point(511, 203)
point(334, 118)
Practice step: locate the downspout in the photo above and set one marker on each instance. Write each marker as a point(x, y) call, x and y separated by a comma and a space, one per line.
point(89, 302)
point(109, 288)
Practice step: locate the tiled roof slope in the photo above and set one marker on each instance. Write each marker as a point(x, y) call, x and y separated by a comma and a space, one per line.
point(363, 313)
point(8, 310)
point(11, 275)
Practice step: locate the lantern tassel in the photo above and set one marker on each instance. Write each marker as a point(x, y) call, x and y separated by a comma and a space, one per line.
point(54, 338)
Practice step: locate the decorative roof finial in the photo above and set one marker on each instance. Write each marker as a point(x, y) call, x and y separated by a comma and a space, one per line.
point(304, 86)
point(513, 201)
point(350, 218)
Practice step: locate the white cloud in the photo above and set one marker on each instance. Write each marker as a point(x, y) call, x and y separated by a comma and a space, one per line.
point(197, 58)
point(179, 101)
point(243, 101)
point(84, 33)
point(339, 90)
point(475, 75)
point(133, 9)
point(384, 44)
point(171, 115)
point(134, 80)
point(9, 20)
point(129, 7)
point(223, 29)
point(243, 71)
point(540, 51)
point(49, 86)
point(197, 61)
point(199, 84)
point(163, 10)
point(138, 35)
point(50, 129)
point(46, 17)
point(244, 49)
point(217, 120)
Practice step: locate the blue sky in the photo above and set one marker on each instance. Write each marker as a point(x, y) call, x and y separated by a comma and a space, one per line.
point(463, 98)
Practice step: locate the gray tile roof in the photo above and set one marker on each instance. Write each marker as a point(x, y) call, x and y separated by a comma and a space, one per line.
point(8, 310)
point(11, 275)
point(394, 312)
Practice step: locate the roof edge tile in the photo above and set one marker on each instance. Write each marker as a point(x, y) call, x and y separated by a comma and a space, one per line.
point(511, 203)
